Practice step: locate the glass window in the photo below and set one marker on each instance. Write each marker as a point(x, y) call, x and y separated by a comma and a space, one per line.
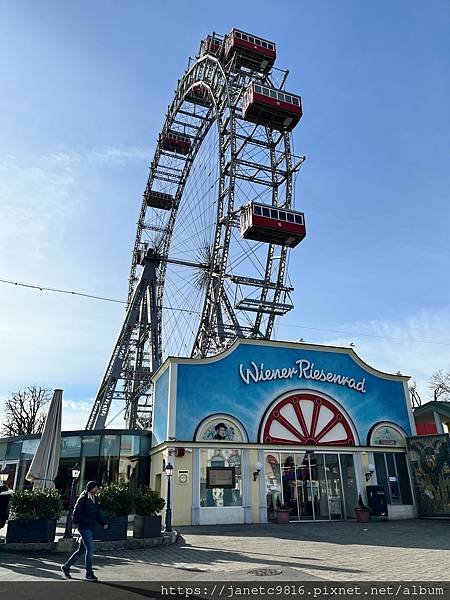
point(349, 484)
point(13, 450)
point(110, 445)
point(292, 495)
point(129, 460)
point(392, 474)
point(264, 44)
point(273, 483)
point(3, 447)
point(274, 213)
point(390, 465)
point(71, 446)
point(22, 483)
point(298, 219)
point(237, 34)
point(109, 459)
point(273, 94)
point(129, 445)
point(257, 42)
point(90, 445)
point(380, 468)
point(217, 497)
point(257, 210)
point(63, 481)
point(258, 89)
point(280, 96)
point(266, 92)
point(29, 448)
point(403, 479)
point(266, 212)
point(88, 469)
point(295, 101)
point(290, 217)
point(251, 40)
point(282, 215)
point(244, 37)
point(288, 99)
point(334, 487)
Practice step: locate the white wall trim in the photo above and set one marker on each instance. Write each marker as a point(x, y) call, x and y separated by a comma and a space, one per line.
point(172, 402)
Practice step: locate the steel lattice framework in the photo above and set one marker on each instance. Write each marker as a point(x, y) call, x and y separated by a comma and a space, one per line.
point(195, 284)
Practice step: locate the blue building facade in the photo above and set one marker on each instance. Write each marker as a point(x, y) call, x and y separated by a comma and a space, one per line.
point(281, 423)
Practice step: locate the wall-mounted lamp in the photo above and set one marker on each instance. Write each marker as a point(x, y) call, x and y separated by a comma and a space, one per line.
point(370, 471)
point(258, 467)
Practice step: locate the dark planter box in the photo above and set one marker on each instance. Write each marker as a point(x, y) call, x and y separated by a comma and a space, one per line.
point(117, 529)
point(146, 527)
point(38, 530)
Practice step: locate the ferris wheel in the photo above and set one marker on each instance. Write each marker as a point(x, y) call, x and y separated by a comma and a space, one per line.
point(210, 257)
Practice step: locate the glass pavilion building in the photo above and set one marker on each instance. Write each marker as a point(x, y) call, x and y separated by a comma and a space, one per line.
point(108, 456)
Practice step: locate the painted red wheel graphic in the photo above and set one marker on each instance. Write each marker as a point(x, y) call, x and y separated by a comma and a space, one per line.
point(307, 419)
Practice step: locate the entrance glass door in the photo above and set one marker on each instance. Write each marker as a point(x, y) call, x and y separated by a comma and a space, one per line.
point(314, 485)
point(289, 484)
point(334, 486)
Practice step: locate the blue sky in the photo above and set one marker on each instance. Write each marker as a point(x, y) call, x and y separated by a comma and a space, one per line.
point(84, 88)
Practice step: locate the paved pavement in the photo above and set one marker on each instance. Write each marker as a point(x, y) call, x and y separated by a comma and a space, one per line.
point(338, 551)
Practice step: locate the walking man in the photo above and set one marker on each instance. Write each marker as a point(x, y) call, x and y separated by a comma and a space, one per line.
point(85, 514)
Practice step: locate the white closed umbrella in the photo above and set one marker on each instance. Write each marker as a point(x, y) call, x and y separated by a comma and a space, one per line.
point(44, 466)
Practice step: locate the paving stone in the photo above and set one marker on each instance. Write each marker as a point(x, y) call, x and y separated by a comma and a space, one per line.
point(339, 551)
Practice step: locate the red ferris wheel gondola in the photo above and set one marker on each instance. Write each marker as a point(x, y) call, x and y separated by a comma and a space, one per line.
point(250, 51)
point(272, 108)
point(264, 223)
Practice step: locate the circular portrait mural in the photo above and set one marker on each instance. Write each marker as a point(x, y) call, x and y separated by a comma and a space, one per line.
point(220, 428)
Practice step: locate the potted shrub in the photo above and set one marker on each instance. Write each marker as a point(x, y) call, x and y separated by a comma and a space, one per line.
point(282, 512)
point(33, 515)
point(362, 512)
point(116, 503)
point(147, 521)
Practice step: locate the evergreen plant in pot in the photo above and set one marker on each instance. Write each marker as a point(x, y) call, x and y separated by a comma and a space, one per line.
point(33, 515)
point(147, 521)
point(116, 503)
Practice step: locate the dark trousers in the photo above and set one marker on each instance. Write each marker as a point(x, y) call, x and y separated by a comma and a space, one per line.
point(86, 546)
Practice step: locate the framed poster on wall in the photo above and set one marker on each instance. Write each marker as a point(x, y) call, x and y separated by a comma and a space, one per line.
point(220, 477)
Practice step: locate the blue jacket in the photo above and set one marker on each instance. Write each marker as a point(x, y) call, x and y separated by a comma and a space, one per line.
point(86, 513)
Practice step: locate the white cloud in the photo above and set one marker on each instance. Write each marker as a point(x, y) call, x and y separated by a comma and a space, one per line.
point(416, 345)
point(52, 219)
point(120, 156)
point(37, 202)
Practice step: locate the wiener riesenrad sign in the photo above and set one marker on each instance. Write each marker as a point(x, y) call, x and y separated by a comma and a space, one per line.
point(303, 369)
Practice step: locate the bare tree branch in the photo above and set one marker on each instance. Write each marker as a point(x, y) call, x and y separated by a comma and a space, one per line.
point(440, 385)
point(24, 411)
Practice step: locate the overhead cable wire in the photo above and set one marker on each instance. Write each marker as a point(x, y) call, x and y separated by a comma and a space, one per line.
point(296, 325)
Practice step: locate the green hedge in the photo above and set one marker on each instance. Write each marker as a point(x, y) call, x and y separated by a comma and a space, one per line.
point(147, 503)
point(29, 505)
point(115, 500)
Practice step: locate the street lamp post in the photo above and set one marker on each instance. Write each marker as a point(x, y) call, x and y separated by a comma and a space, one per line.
point(169, 472)
point(75, 472)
